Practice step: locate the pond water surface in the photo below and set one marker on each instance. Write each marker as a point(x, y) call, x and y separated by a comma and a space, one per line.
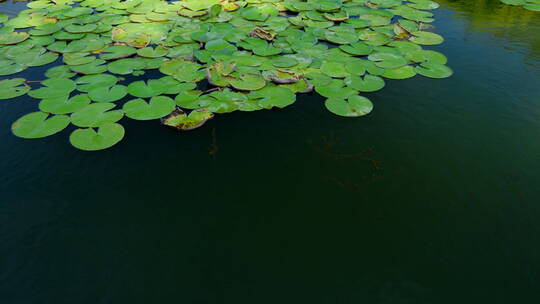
point(432, 198)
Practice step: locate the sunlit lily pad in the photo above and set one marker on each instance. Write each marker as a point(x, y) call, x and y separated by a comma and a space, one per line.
point(147, 89)
point(13, 37)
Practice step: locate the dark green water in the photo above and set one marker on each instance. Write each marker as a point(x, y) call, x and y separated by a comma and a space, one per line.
point(432, 198)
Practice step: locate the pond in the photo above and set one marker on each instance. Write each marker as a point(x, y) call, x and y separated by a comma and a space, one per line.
point(431, 198)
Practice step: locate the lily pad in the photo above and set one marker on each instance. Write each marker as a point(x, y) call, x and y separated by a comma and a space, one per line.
point(108, 135)
point(64, 104)
point(270, 97)
point(54, 88)
point(108, 94)
point(11, 88)
point(434, 70)
point(13, 37)
point(39, 124)
point(368, 83)
point(248, 82)
point(354, 106)
point(148, 89)
point(96, 114)
point(159, 106)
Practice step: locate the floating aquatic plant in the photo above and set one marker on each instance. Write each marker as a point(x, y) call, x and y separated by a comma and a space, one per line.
point(214, 57)
point(532, 5)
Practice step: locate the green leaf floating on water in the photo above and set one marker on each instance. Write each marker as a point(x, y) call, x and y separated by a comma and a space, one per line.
point(248, 82)
point(96, 114)
point(11, 88)
point(39, 124)
point(54, 88)
point(434, 70)
point(208, 56)
point(159, 106)
point(354, 106)
point(108, 94)
point(147, 89)
point(7, 38)
point(107, 135)
point(180, 121)
point(64, 104)
point(368, 83)
point(426, 38)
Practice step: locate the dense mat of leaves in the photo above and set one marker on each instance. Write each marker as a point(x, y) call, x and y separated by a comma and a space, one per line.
point(214, 57)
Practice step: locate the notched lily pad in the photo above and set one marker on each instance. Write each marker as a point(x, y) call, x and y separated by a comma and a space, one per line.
point(39, 124)
point(107, 135)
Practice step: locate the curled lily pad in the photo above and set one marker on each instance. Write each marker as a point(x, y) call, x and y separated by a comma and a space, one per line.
point(96, 114)
point(159, 106)
point(11, 88)
point(39, 124)
point(354, 106)
point(180, 121)
point(107, 135)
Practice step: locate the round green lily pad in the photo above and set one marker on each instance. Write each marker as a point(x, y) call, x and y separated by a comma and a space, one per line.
point(107, 135)
point(148, 89)
point(39, 124)
point(434, 70)
point(354, 106)
point(248, 82)
point(159, 106)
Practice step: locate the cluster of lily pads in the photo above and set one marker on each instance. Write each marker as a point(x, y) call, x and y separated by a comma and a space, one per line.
point(532, 5)
point(213, 57)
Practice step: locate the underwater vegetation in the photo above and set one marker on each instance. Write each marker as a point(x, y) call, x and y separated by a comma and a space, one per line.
point(212, 57)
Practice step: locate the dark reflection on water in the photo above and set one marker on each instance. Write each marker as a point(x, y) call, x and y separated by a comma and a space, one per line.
point(432, 198)
point(517, 28)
